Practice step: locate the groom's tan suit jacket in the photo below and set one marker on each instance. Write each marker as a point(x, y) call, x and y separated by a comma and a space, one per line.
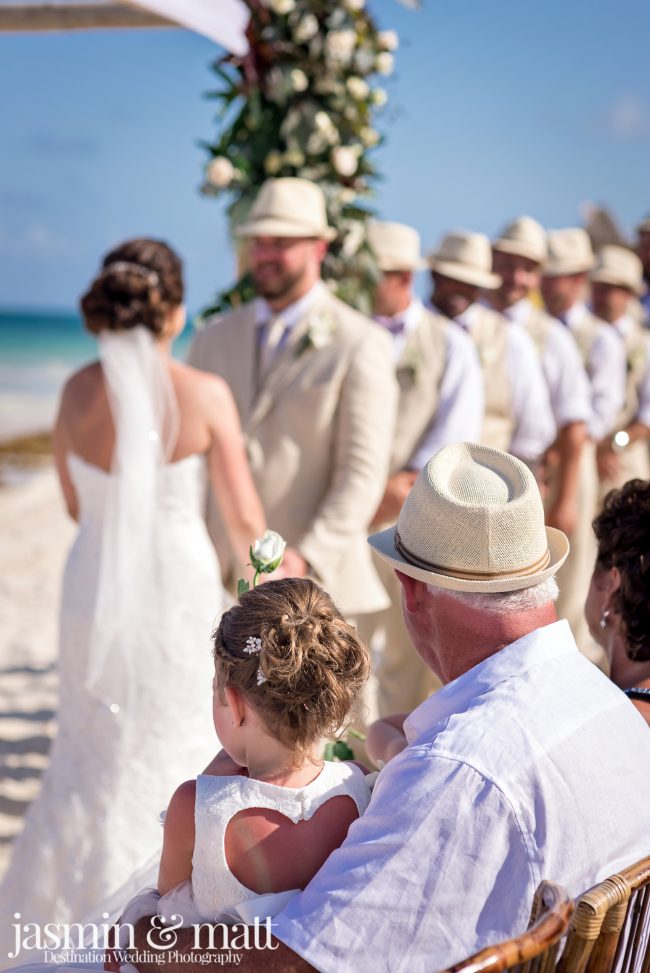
point(319, 434)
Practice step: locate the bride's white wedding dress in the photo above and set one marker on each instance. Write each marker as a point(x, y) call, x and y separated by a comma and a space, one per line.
point(113, 768)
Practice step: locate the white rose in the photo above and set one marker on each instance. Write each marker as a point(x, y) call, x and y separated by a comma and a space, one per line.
point(323, 123)
point(298, 79)
point(385, 63)
point(306, 29)
point(353, 239)
point(281, 6)
point(273, 162)
point(388, 40)
point(379, 97)
point(347, 195)
point(358, 88)
point(345, 160)
point(266, 552)
point(220, 172)
point(341, 44)
point(355, 5)
point(369, 136)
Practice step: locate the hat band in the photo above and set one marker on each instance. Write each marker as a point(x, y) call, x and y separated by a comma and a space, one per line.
point(419, 562)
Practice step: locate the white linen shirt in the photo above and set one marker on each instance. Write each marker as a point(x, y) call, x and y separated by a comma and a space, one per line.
point(531, 765)
point(606, 370)
point(565, 375)
point(534, 425)
point(459, 416)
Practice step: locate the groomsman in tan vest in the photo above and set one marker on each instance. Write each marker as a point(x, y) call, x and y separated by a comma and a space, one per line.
point(518, 255)
point(518, 416)
point(564, 289)
point(616, 281)
point(440, 401)
point(314, 383)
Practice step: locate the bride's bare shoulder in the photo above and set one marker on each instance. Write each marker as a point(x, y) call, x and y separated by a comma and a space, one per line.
point(84, 384)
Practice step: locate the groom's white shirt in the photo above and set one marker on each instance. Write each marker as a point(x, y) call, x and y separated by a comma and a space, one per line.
point(528, 766)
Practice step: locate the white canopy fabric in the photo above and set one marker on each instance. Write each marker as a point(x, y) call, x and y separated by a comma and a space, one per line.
point(223, 21)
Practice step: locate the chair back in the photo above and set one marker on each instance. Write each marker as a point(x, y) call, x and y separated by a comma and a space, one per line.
point(535, 950)
point(610, 928)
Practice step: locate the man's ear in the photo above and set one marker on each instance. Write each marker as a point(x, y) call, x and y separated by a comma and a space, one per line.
point(236, 705)
point(411, 591)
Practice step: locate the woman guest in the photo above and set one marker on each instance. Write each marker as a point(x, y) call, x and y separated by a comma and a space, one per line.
point(618, 604)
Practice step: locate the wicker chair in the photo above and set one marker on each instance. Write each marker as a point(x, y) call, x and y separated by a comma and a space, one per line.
point(610, 927)
point(534, 951)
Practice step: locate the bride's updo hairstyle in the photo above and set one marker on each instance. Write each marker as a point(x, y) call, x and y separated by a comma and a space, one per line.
point(307, 668)
point(140, 282)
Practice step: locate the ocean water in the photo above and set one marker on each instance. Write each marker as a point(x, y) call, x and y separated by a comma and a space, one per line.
point(38, 351)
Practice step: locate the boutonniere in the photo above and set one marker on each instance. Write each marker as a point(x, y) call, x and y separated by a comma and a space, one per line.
point(318, 335)
point(411, 364)
point(636, 360)
point(487, 354)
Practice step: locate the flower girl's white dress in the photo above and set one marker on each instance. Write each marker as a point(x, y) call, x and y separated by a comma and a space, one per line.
point(114, 766)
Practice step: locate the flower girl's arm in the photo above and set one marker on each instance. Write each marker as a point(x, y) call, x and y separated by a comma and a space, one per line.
point(230, 475)
point(178, 838)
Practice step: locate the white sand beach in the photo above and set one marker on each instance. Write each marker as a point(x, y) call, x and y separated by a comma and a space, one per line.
point(36, 534)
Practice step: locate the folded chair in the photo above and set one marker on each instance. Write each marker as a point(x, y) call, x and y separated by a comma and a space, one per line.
point(535, 950)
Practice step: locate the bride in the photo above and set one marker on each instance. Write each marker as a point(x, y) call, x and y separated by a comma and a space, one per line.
point(141, 592)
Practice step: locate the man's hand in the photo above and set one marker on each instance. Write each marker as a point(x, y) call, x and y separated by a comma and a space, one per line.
point(396, 492)
point(607, 461)
point(563, 515)
point(293, 566)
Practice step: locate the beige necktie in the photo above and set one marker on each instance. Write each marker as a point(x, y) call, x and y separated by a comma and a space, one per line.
point(273, 334)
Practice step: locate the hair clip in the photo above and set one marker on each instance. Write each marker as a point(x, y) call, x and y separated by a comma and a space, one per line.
point(260, 676)
point(253, 645)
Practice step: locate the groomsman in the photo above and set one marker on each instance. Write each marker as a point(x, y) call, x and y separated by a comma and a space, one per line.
point(440, 401)
point(564, 289)
point(517, 257)
point(314, 383)
point(616, 280)
point(518, 417)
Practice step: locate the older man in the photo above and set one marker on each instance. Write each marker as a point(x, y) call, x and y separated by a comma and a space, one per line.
point(314, 383)
point(524, 766)
point(517, 409)
point(616, 280)
point(440, 401)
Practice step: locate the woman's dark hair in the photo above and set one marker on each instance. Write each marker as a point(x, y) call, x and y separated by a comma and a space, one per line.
point(141, 281)
point(623, 533)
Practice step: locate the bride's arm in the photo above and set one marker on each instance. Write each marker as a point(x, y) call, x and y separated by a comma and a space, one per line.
point(230, 473)
point(61, 449)
point(178, 838)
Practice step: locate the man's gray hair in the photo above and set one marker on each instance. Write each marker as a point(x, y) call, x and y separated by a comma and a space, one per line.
point(502, 602)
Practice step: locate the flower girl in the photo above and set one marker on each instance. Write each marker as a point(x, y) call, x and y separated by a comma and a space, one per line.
point(244, 837)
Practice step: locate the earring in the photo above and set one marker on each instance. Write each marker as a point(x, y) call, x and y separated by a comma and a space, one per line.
point(604, 619)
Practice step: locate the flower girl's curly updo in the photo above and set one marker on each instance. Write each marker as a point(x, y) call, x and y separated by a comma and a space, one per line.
point(285, 646)
point(141, 281)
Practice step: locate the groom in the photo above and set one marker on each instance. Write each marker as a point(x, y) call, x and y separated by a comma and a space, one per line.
point(315, 387)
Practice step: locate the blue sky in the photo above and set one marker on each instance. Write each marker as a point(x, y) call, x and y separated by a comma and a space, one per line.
point(495, 109)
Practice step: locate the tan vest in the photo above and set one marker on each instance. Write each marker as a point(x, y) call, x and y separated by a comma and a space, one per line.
point(489, 332)
point(585, 335)
point(419, 373)
point(636, 362)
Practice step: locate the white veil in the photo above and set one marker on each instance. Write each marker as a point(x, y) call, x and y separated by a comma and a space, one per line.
point(146, 420)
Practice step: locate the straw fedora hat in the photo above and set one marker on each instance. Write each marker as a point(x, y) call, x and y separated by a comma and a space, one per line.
point(288, 207)
point(466, 257)
point(619, 266)
point(525, 237)
point(473, 521)
point(396, 246)
point(644, 226)
point(569, 252)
